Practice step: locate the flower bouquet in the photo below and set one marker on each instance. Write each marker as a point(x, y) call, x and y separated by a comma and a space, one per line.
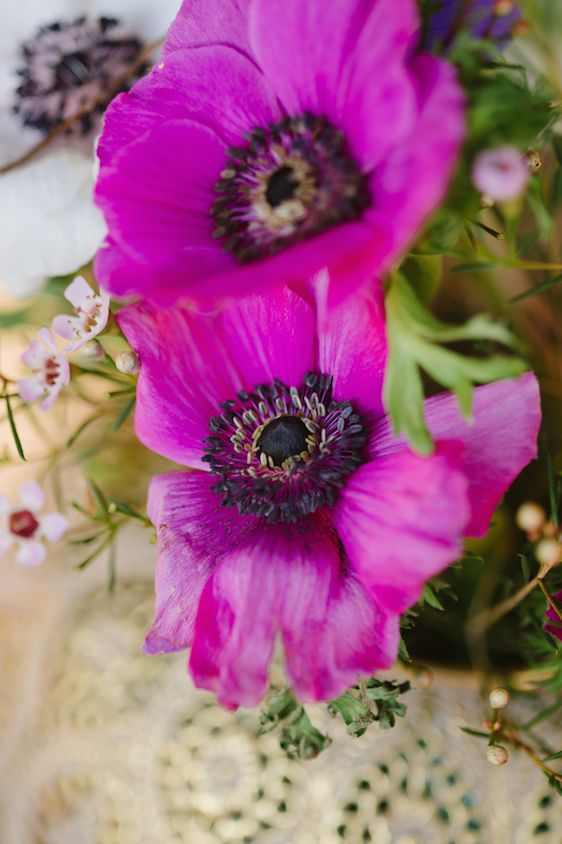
point(284, 273)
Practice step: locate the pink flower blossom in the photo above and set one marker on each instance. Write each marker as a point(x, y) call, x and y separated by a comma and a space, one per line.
point(305, 516)
point(276, 138)
point(555, 629)
point(51, 371)
point(501, 173)
point(92, 313)
point(23, 525)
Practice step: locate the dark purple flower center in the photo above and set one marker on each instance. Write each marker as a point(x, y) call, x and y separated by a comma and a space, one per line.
point(23, 523)
point(291, 181)
point(51, 371)
point(282, 452)
point(69, 65)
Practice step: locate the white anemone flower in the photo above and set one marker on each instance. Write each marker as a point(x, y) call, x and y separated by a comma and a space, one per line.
point(23, 525)
point(55, 57)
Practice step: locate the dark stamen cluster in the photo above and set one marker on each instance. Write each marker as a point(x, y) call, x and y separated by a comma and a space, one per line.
point(23, 523)
point(292, 180)
point(282, 452)
point(67, 66)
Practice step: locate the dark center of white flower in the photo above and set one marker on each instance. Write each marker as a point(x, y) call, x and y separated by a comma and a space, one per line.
point(282, 452)
point(67, 66)
point(290, 182)
point(23, 523)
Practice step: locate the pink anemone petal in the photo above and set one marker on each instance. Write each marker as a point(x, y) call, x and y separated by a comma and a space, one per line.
point(352, 346)
point(163, 283)
point(214, 86)
point(32, 496)
point(158, 193)
point(496, 446)
point(53, 526)
point(30, 553)
point(194, 531)
point(343, 61)
point(425, 159)
point(401, 519)
point(203, 22)
point(206, 360)
point(287, 579)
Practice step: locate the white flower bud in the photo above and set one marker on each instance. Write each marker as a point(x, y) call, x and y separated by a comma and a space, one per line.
point(127, 362)
point(93, 350)
point(496, 754)
point(530, 517)
point(548, 552)
point(498, 698)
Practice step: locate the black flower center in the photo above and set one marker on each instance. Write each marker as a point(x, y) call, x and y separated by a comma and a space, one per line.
point(73, 69)
point(69, 66)
point(23, 523)
point(281, 186)
point(292, 181)
point(283, 438)
point(283, 452)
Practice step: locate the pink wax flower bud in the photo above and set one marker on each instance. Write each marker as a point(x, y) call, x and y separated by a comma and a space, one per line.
point(501, 173)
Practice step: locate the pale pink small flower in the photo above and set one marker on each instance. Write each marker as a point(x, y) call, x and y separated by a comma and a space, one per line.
point(23, 525)
point(51, 371)
point(92, 313)
point(501, 173)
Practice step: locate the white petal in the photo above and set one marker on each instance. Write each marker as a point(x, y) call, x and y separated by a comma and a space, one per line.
point(53, 526)
point(32, 496)
point(30, 553)
point(78, 292)
point(30, 389)
point(147, 19)
point(5, 505)
point(6, 542)
point(49, 223)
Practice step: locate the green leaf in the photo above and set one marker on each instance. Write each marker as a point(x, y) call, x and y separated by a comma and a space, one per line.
point(429, 597)
point(542, 715)
point(553, 756)
point(415, 338)
point(13, 428)
point(115, 505)
point(356, 714)
point(81, 428)
point(540, 288)
point(477, 733)
point(100, 499)
point(299, 737)
point(125, 413)
point(424, 274)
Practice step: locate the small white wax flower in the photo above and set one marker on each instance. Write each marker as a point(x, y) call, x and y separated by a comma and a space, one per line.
point(51, 371)
point(501, 173)
point(92, 313)
point(23, 525)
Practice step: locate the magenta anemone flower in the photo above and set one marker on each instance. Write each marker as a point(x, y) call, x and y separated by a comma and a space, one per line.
point(276, 138)
point(302, 515)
